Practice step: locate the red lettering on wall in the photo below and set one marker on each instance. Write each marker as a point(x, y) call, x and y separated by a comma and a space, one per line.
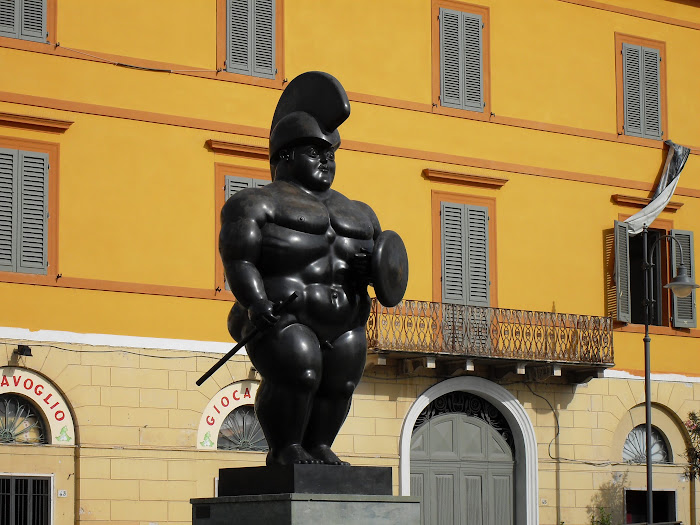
point(62, 415)
point(54, 405)
point(234, 396)
point(224, 401)
point(46, 399)
point(217, 410)
point(5, 382)
point(17, 380)
point(247, 393)
point(37, 391)
point(31, 383)
point(210, 420)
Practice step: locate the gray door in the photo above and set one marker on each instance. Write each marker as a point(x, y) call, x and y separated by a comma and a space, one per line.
point(462, 470)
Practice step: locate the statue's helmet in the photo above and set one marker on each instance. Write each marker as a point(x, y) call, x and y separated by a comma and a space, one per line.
point(311, 107)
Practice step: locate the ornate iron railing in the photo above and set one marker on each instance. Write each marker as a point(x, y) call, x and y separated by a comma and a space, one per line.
point(474, 331)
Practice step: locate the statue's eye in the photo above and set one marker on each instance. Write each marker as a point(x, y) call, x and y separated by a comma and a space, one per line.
point(330, 155)
point(312, 152)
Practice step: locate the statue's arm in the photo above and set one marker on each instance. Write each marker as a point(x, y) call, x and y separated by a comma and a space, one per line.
point(240, 242)
point(372, 218)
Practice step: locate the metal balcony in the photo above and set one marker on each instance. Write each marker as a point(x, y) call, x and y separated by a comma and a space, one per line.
point(500, 340)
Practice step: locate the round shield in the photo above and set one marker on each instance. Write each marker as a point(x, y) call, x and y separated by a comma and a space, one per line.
point(389, 268)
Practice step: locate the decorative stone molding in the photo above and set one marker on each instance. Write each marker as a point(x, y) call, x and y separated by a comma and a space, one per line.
point(526, 510)
point(234, 148)
point(225, 401)
point(46, 397)
point(36, 123)
point(464, 179)
point(640, 202)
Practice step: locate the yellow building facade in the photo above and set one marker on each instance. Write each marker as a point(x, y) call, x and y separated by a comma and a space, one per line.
point(134, 115)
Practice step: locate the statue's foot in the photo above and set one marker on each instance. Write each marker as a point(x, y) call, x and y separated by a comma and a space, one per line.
point(325, 455)
point(290, 455)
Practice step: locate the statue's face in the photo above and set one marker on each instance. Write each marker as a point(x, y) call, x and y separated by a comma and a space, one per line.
point(312, 166)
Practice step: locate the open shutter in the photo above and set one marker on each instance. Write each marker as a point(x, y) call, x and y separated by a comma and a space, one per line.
point(473, 95)
point(477, 230)
point(451, 58)
point(239, 36)
point(651, 89)
point(9, 165)
point(622, 272)
point(33, 20)
point(454, 259)
point(684, 308)
point(632, 86)
point(264, 38)
point(33, 212)
point(9, 18)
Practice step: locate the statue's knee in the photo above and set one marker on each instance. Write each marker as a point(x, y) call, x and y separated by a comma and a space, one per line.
point(309, 379)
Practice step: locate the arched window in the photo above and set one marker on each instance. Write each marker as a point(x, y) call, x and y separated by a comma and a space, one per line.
point(241, 430)
point(20, 421)
point(635, 448)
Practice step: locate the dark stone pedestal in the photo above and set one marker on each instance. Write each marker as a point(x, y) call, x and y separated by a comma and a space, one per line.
point(305, 479)
point(306, 495)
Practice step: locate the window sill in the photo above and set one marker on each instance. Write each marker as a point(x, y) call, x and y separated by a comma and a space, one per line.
point(657, 330)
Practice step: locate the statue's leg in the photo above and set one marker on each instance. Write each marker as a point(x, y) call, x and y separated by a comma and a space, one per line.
point(289, 360)
point(343, 364)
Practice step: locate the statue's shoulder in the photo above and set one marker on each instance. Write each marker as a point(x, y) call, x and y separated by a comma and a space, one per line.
point(253, 203)
point(354, 217)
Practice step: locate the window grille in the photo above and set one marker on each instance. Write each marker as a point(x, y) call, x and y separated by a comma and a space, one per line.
point(24, 500)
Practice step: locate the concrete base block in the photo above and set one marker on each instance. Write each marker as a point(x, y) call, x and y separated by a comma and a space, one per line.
point(306, 509)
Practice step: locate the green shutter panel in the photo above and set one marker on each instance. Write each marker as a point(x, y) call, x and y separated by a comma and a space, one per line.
point(238, 28)
point(454, 260)
point(651, 89)
point(622, 272)
point(477, 231)
point(33, 20)
point(684, 308)
point(33, 213)
point(473, 96)
point(9, 18)
point(632, 88)
point(9, 165)
point(451, 58)
point(264, 38)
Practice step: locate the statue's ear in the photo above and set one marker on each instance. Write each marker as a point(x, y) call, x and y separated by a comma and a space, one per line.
point(285, 154)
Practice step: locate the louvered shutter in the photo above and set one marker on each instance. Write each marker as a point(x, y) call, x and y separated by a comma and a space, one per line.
point(232, 186)
point(477, 231)
point(684, 308)
point(454, 254)
point(9, 166)
point(451, 59)
point(259, 183)
point(632, 86)
point(239, 36)
point(472, 98)
point(9, 18)
point(33, 20)
point(33, 212)
point(622, 272)
point(651, 89)
point(264, 38)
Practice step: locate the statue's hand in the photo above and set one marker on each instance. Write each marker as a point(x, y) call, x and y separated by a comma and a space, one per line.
point(361, 265)
point(262, 315)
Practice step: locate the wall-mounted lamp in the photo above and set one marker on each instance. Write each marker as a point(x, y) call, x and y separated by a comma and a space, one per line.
point(24, 351)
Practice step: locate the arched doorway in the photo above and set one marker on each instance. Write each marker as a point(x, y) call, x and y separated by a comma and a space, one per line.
point(462, 469)
point(522, 444)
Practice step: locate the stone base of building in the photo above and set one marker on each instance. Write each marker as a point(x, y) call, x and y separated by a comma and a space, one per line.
point(306, 509)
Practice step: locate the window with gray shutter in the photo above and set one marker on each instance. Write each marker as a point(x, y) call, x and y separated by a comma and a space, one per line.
point(235, 184)
point(465, 254)
point(24, 211)
point(461, 60)
point(642, 91)
point(684, 308)
point(622, 272)
point(250, 36)
point(23, 19)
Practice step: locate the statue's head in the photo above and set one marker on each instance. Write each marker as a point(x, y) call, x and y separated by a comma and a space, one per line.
point(304, 134)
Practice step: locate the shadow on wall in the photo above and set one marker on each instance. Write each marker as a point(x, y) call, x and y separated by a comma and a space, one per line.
point(608, 503)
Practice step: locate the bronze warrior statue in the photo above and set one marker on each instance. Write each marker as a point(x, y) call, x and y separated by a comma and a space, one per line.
point(297, 235)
